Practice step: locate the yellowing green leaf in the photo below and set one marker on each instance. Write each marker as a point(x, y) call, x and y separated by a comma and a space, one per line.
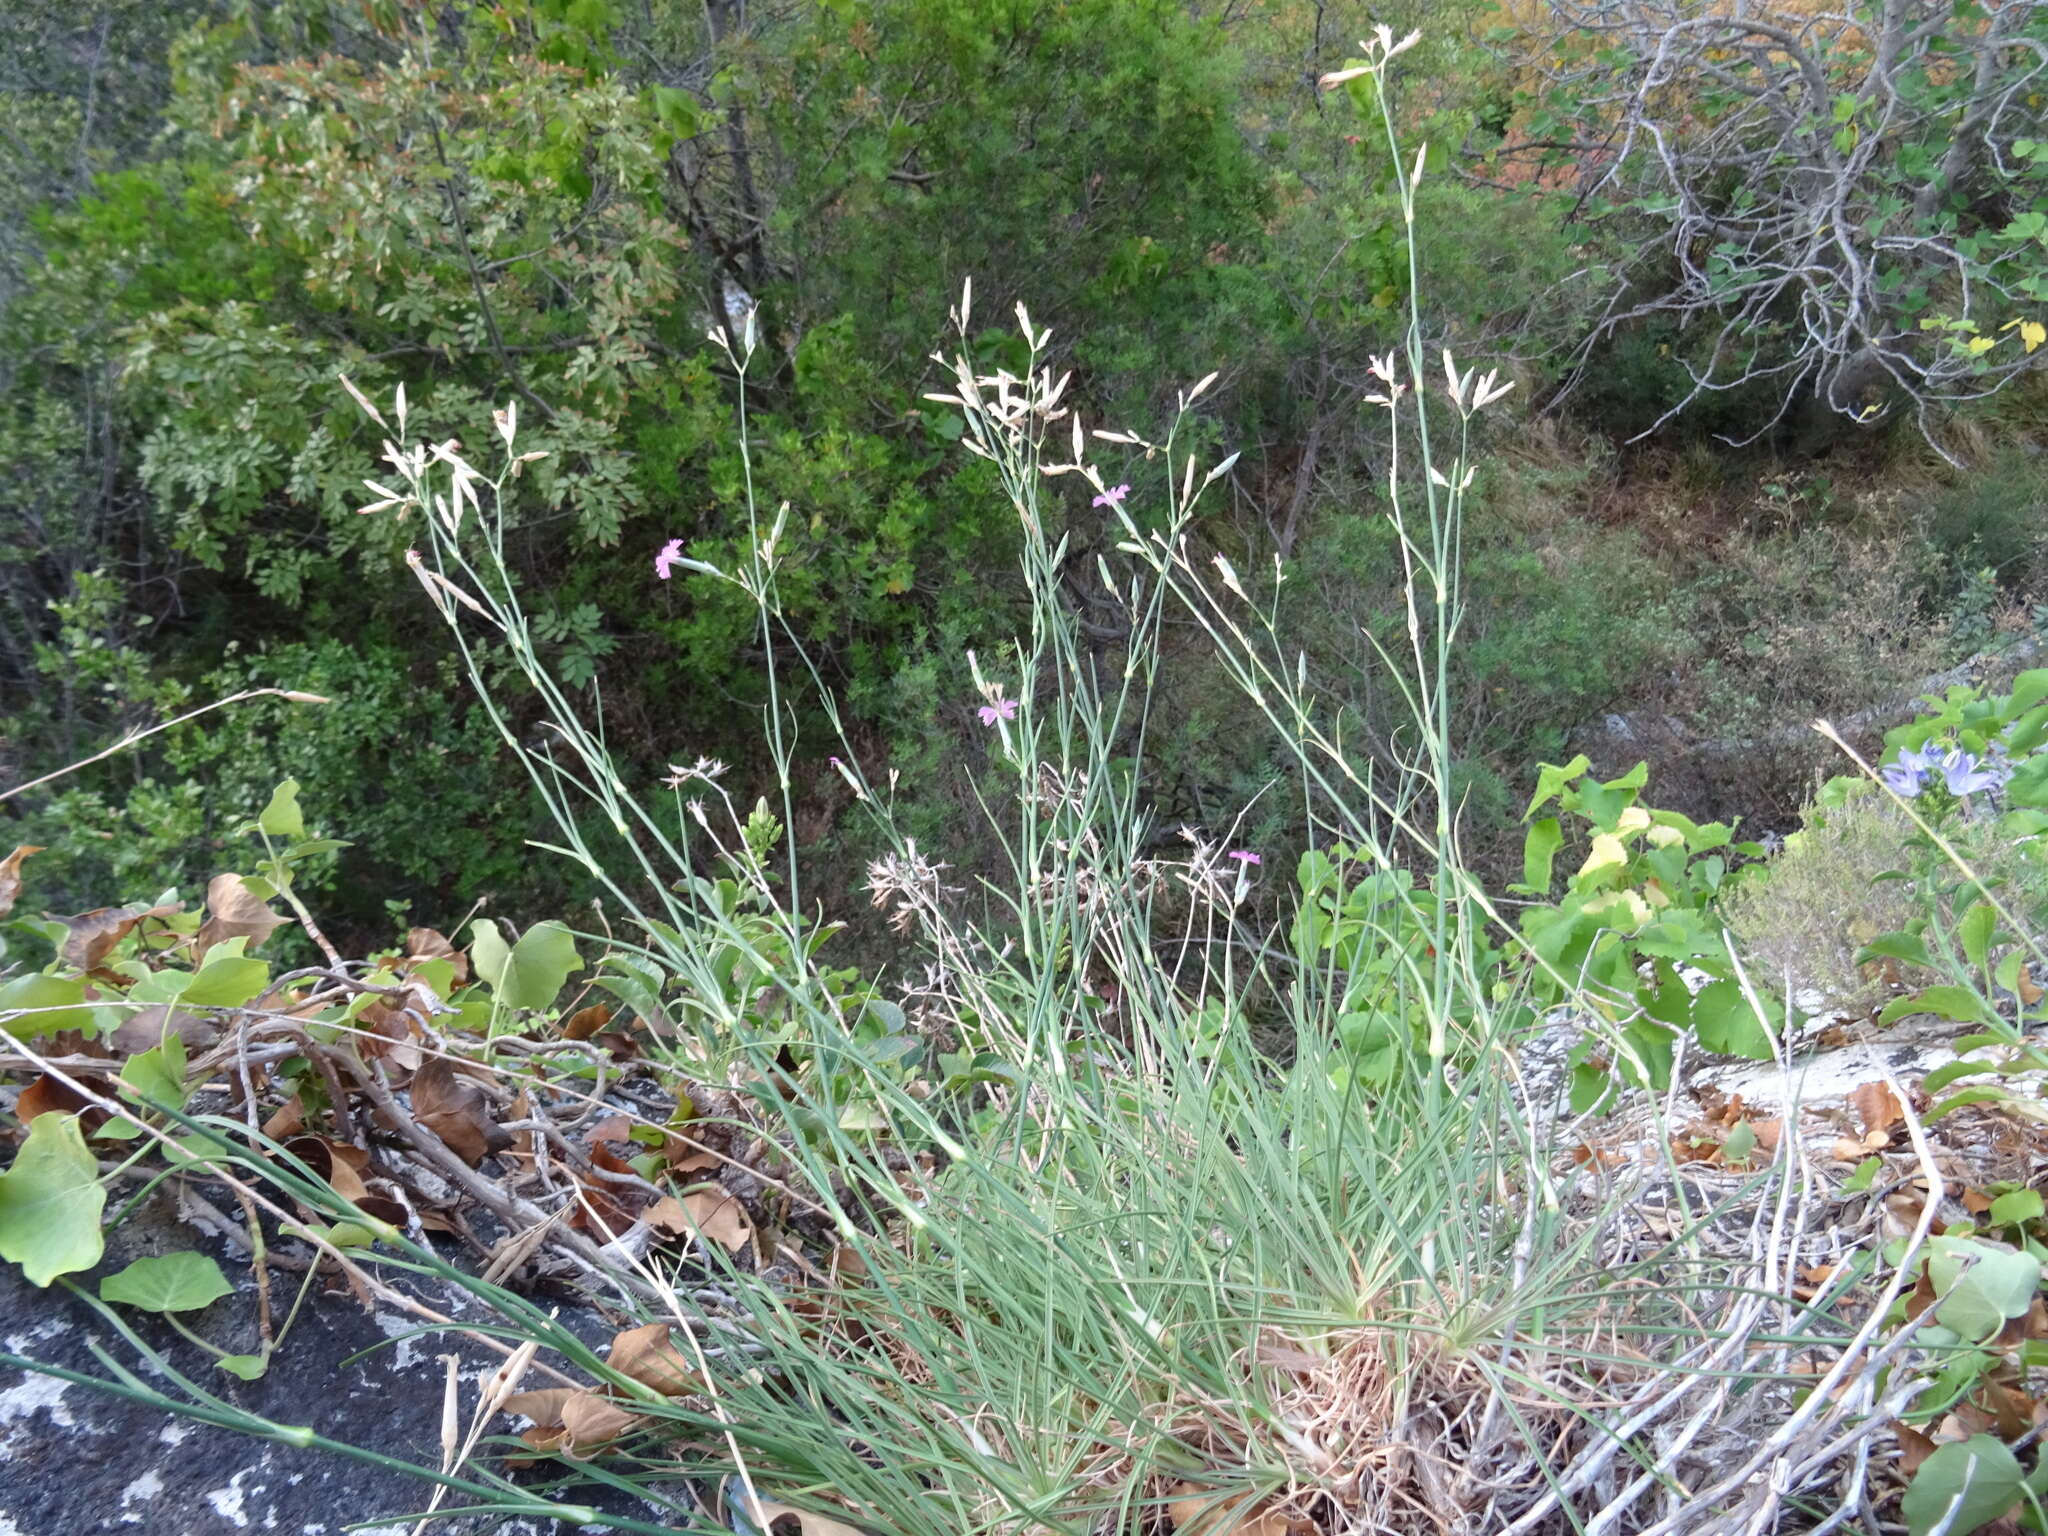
point(1608, 852)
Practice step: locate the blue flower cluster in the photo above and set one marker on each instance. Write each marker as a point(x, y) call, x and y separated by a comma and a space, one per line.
point(1962, 773)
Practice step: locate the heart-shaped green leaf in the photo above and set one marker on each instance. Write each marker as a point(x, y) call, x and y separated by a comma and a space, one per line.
point(168, 1282)
point(51, 1202)
point(527, 974)
point(1961, 1487)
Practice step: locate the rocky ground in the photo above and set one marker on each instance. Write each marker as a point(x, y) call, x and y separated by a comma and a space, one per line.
point(76, 1462)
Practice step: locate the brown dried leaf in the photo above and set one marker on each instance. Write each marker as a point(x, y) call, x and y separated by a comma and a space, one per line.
point(1813, 1281)
point(1914, 1448)
point(342, 1166)
point(544, 1437)
point(605, 1211)
point(46, 1095)
point(2011, 1409)
point(667, 1216)
point(10, 876)
point(91, 936)
point(2036, 1320)
point(428, 944)
point(585, 1022)
point(1694, 1147)
point(1921, 1297)
point(381, 1029)
point(1199, 1513)
point(287, 1120)
point(592, 1422)
point(150, 1027)
point(775, 1519)
point(650, 1357)
point(2031, 992)
point(714, 1214)
point(455, 1109)
point(233, 911)
point(721, 1219)
point(1877, 1107)
point(543, 1407)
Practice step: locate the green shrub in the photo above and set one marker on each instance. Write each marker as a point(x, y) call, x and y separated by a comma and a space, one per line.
point(1801, 918)
point(1995, 515)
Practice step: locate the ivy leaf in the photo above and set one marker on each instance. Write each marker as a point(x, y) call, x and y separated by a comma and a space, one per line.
point(157, 1075)
point(1946, 1001)
point(51, 1202)
point(1975, 932)
point(58, 1003)
point(1909, 947)
point(1726, 1023)
point(527, 974)
point(2016, 1206)
point(282, 817)
point(1982, 1287)
point(227, 981)
point(1539, 852)
point(1961, 1487)
point(168, 1282)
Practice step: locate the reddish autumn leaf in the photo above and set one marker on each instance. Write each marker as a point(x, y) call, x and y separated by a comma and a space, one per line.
point(380, 1028)
point(10, 876)
point(46, 1095)
point(456, 1109)
point(606, 1211)
point(1921, 1297)
point(585, 1022)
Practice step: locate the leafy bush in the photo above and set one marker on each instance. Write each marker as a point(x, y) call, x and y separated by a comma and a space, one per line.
point(1802, 918)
